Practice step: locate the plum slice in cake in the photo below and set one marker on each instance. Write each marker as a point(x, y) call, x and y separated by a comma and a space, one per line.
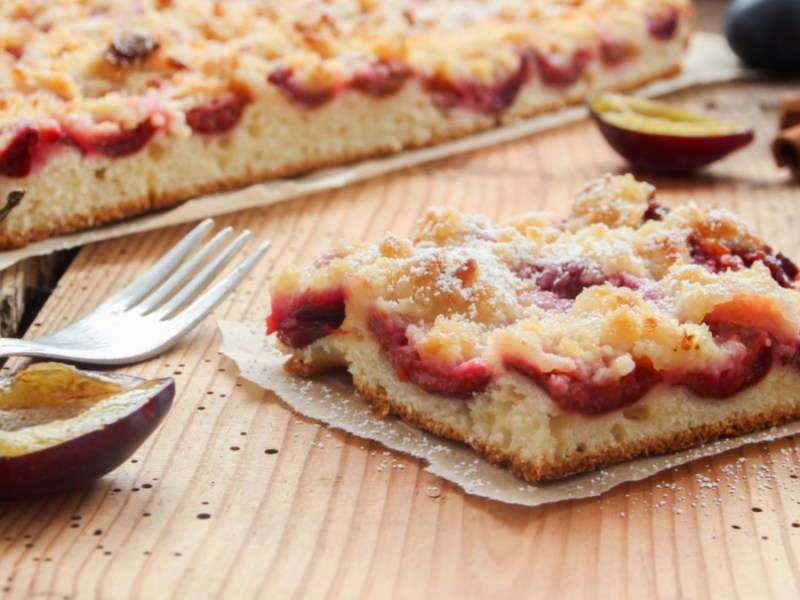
point(554, 347)
point(111, 108)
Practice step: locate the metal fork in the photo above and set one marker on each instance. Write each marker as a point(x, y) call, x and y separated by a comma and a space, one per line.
point(151, 313)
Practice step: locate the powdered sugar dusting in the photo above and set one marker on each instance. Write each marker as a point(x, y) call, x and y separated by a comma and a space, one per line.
point(631, 282)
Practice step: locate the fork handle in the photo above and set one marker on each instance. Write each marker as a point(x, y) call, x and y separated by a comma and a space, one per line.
point(17, 347)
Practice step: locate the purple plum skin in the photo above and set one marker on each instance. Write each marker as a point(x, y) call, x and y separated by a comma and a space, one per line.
point(765, 34)
point(670, 154)
point(78, 462)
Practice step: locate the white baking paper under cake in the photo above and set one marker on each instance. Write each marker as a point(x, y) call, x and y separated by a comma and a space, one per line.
point(708, 60)
point(333, 400)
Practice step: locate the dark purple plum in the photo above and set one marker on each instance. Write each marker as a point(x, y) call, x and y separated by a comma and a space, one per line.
point(659, 138)
point(62, 428)
point(765, 34)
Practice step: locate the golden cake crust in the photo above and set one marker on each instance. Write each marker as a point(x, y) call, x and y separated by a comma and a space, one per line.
point(548, 469)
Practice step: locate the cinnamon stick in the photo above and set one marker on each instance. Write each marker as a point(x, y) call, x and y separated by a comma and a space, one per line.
point(786, 149)
point(786, 145)
point(789, 112)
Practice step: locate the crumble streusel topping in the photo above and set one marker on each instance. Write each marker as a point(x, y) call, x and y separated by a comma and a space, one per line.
point(75, 56)
point(621, 282)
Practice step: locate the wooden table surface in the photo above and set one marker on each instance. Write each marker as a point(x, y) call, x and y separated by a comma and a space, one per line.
point(237, 497)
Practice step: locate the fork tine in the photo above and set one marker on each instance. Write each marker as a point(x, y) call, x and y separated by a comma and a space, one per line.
point(191, 289)
point(203, 305)
point(119, 337)
point(141, 286)
point(151, 302)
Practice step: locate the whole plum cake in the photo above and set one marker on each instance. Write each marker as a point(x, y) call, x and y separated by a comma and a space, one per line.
point(558, 346)
point(111, 108)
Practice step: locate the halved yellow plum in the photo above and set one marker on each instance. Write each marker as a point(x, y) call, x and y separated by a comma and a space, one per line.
point(62, 428)
point(657, 137)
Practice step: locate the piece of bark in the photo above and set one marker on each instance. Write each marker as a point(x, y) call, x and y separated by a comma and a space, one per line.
point(25, 286)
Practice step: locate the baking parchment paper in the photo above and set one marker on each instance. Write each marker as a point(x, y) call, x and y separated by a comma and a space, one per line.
point(708, 60)
point(332, 399)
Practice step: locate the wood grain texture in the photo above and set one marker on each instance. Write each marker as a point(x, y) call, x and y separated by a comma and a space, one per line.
point(237, 497)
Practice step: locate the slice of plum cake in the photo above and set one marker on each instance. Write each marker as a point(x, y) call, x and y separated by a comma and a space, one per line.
point(111, 109)
point(551, 346)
